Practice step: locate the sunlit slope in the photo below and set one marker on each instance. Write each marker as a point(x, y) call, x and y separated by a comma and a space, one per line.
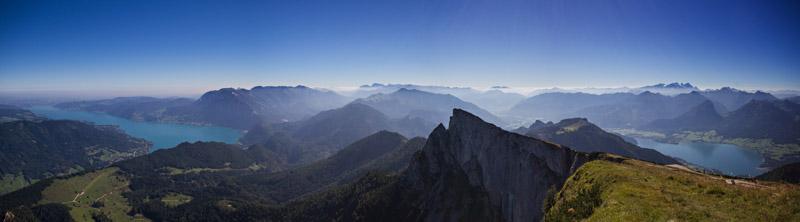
point(91, 195)
point(617, 189)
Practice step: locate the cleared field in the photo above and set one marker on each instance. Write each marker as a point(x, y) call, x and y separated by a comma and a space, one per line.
point(97, 192)
point(175, 199)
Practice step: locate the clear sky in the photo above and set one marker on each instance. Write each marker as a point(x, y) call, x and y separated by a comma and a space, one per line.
point(174, 47)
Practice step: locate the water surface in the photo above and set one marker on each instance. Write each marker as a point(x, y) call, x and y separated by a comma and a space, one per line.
point(727, 158)
point(162, 135)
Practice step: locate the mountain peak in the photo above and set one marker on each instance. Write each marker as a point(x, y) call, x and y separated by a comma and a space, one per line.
point(674, 85)
point(727, 89)
point(648, 93)
point(473, 161)
point(463, 117)
point(409, 90)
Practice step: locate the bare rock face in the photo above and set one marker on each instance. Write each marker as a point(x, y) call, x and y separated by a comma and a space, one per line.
point(475, 171)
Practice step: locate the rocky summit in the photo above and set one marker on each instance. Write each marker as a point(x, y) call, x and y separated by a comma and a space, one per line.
point(476, 171)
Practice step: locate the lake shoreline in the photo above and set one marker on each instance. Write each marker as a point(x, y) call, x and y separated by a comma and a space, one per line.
point(728, 159)
point(163, 135)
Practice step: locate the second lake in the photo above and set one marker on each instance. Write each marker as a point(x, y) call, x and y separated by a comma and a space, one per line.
point(728, 159)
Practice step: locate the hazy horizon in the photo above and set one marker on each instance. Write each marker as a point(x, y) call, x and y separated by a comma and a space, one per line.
point(525, 91)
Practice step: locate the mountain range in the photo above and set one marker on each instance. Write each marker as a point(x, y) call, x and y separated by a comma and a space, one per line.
point(629, 110)
point(469, 171)
point(235, 108)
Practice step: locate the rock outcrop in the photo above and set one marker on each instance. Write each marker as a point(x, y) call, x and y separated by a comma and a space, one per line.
point(475, 171)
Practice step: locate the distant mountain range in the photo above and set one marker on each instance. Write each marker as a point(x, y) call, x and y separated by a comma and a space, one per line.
point(134, 108)
point(494, 100)
point(620, 110)
point(733, 99)
point(778, 120)
point(667, 89)
point(235, 108)
point(243, 108)
point(626, 110)
point(671, 89)
point(33, 148)
point(431, 107)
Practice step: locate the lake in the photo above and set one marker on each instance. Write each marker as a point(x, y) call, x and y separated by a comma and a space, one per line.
point(162, 135)
point(727, 158)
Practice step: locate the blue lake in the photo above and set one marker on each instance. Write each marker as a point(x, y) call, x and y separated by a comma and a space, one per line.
point(727, 158)
point(162, 135)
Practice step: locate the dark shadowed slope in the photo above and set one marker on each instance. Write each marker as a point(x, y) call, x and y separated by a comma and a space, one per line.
point(794, 99)
point(383, 151)
point(198, 155)
point(9, 113)
point(581, 135)
point(700, 118)
point(327, 132)
point(787, 173)
point(778, 120)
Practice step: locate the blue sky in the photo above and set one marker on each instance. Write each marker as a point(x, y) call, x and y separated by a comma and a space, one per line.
point(175, 47)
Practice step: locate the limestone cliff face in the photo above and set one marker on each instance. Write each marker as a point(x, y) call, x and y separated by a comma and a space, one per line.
point(475, 171)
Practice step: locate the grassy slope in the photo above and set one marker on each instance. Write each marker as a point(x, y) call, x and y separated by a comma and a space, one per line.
point(637, 191)
point(11, 182)
point(80, 193)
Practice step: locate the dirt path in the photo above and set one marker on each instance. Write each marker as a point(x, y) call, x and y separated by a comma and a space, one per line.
point(91, 183)
point(76, 196)
point(737, 182)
